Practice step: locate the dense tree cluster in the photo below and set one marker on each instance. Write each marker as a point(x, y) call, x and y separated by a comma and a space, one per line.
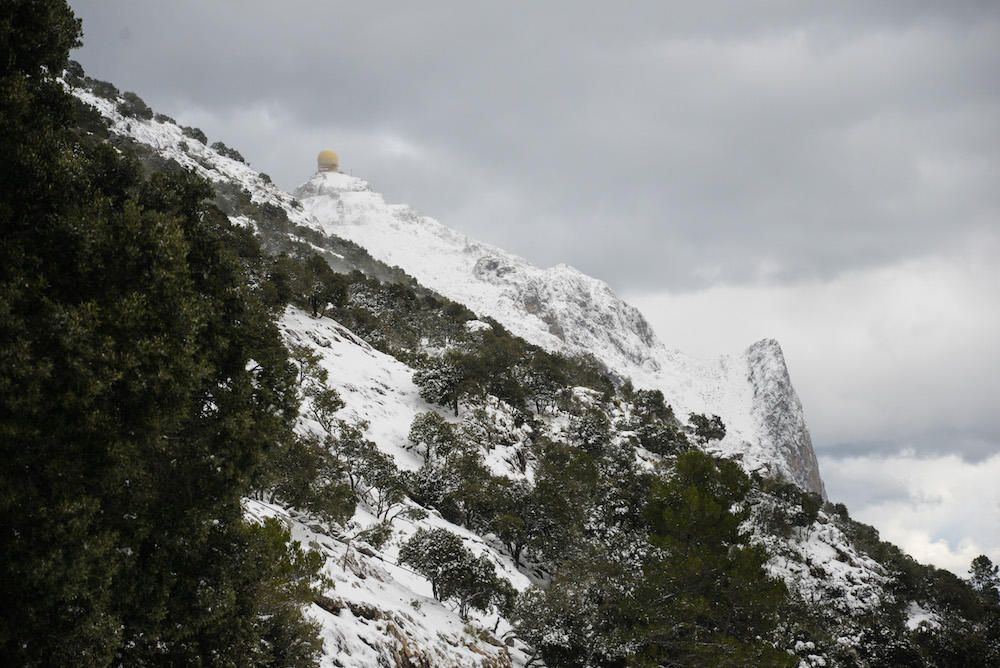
point(455, 572)
point(143, 391)
point(691, 591)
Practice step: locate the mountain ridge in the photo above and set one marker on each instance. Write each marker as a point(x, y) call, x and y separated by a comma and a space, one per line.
point(564, 310)
point(853, 600)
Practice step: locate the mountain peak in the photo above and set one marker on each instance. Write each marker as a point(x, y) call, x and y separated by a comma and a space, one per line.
point(564, 310)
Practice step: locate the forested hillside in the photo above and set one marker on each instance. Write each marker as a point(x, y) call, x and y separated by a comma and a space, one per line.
point(232, 438)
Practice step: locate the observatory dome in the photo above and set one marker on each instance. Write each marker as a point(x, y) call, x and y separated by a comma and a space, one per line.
point(327, 161)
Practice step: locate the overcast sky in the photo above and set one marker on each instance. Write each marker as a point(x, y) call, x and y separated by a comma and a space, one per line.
point(824, 173)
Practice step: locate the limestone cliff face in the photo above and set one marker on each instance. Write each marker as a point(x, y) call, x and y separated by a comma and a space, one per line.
point(562, 309)
point(778, 413)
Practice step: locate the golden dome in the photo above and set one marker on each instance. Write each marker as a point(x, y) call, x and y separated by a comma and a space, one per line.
point(327, 161)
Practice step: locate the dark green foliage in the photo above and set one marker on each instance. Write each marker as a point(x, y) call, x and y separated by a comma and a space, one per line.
point(543, 379)
point(163, 118)
point(231, 153)
point(691, 591)
point(590, 431)
point(246, 610)
point(984, 576)
point(565, 480)
point(309, 283)
point(787, 507)
point(433, 436)
point(74, 70)
point(707, 428)
point(568, 624)
point(650, 406)
point(654, 423)
point(840, 510)
point(103, 89)
point(443, 381)
point(36, 37)
point(305, 474)
point(377, 535)
point(455, 573)
point(662, 438)
point(705, 599)
point(969, 631)
point(133, 106)
point(143, 386)
point(512, 518)
point(195, 133)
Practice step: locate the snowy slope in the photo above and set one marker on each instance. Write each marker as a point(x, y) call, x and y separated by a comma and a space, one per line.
point(168, 140)
point(403, 619)
point(818, 562)
point(562, 309)
point(384, 614)
point(558, 308)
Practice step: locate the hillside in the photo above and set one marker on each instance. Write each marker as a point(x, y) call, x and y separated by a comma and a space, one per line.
point(561, 309)
point(455, 387)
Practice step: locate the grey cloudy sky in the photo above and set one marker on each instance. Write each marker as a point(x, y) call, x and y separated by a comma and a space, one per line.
point(824, 173)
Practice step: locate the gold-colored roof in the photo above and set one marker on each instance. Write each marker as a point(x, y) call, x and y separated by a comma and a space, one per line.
point(327, 159)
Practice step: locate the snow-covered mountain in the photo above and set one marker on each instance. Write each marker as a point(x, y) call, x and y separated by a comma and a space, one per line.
point(558, 308)
point(562, 309)
point(376, 611)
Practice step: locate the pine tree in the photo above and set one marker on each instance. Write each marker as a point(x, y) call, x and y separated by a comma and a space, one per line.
point(143, 386)
point(704, 598)
point(984, 576)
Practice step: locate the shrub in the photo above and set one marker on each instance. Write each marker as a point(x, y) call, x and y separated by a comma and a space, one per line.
point(133, 106)
point(377, 535)
point(194, 133)
point(74, 69)
point(455, 573)
point(707, 428)
point(103, 89)
point(230, 153)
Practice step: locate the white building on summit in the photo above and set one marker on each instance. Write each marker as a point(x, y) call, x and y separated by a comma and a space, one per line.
point(327, 161)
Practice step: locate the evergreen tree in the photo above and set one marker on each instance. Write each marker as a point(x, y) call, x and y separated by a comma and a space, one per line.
point(707, 428)
point(432, 434)
point(512, 516)
point(455, 573)
point(442, 382)
point(590, 431)
point(575, 621)
point(143, 386)
point(565, 480)
point(984, 576)
point(704, 598)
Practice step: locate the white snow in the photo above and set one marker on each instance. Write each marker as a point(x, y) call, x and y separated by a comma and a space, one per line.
point(379, 389)
point(821, 564)
point(387, 610)
point(917, 616)
point(564, 310)
point(558, 308)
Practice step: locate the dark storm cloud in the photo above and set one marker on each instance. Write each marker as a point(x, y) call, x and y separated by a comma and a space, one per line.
point(654, 145)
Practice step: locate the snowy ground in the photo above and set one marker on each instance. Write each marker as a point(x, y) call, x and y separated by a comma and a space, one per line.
point(561, 309)
point(379, 389)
